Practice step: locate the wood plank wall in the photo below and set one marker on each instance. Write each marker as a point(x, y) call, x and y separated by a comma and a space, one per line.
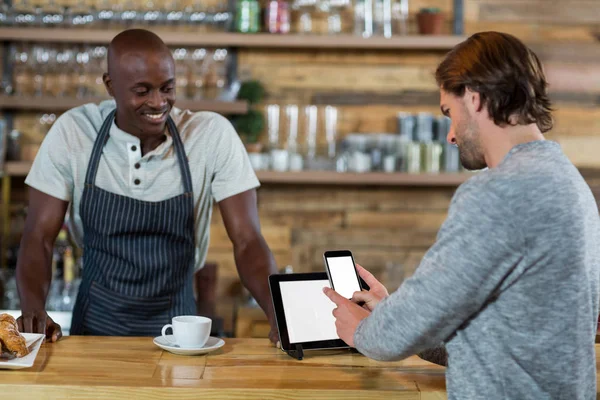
point(389, 229)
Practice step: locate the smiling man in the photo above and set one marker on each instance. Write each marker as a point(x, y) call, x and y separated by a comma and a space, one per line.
point(139, 178)
point(511, 285)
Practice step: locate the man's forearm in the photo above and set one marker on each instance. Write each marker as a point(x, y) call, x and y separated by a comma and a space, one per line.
point(255, 263)
point(34, 272)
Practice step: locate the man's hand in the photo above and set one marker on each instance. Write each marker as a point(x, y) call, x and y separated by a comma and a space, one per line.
point(371, 297)
point(39, 322)
point(274, 336)
point(347, 316)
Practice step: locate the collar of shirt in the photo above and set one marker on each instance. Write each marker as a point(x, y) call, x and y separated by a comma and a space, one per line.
point(127, 141)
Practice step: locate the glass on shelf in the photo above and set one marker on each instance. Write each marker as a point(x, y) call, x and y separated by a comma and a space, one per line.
point(23, 13)
point(97, 68)
point(81, 72)
point(51, 15)
point(105, 13)
point(305, 10)
point(22, 69)
point(295, 160)
point(182, 72)
point(195, 17)
point(151, 14)
point(5, 14)
point(334, 10)
point(174, 15)
point(400, 17)
point(310, 126)
point(80, 16)
point(273, 125)
point(198, 72)
point(127, 13)
point(331, 121)
point(39, 65)
point(215, 77)
point(363, 18)
point(383, 18)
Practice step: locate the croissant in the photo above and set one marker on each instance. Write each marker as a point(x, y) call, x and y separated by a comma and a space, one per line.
point(11, 341)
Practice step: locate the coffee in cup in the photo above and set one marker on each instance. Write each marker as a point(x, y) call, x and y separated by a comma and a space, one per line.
point(188, 330)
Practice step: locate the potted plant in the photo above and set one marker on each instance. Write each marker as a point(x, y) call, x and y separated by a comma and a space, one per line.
point(430, 21)
point(250, 125)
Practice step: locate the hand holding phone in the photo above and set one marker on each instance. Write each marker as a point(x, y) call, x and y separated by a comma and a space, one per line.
point(342, 273)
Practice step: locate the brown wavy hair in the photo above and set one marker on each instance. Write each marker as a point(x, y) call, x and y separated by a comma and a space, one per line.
point(507, 75)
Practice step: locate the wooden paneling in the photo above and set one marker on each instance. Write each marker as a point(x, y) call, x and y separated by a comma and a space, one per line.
point(540, 11)
point(402, 220)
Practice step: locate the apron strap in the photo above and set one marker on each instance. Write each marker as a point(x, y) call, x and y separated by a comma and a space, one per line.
point(103, 136)
point(181, 156)
point(99, 143)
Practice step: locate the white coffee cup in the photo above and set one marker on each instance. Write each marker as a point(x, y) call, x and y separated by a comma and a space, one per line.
point(189, 331)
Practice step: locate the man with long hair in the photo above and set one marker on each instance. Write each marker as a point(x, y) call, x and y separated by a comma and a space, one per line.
point(508, 295)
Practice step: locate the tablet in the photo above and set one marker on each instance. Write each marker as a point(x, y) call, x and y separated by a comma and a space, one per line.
point(303, 312)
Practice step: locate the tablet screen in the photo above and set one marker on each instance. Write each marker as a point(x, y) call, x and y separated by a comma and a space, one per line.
point(308, 312)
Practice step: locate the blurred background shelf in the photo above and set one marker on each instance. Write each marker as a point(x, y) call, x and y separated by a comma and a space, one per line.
point(362, 179)
point(30, 103)
point(21, 168)
point(226, 39)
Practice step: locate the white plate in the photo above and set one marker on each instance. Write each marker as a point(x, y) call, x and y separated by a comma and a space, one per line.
point(34, 341)
point(212, 344)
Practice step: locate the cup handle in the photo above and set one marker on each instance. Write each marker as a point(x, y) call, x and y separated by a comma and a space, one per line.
point(164, 333)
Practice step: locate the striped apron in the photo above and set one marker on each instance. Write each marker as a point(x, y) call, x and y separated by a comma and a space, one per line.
point(138, 255)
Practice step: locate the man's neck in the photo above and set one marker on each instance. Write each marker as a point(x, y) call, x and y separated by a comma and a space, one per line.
point(498, 141)
point(147, 143)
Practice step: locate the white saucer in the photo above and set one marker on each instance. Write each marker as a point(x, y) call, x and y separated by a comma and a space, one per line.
point(212, 344)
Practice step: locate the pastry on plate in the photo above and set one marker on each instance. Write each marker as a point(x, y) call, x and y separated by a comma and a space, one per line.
point(12, 343)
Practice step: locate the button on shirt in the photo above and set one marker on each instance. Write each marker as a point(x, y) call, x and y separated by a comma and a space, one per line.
point(218, 163)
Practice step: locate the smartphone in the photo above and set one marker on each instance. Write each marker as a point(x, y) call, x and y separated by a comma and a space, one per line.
point(342, 273)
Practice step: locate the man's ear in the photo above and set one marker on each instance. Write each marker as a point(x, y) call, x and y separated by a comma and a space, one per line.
point(108, 84)
point(473, 100)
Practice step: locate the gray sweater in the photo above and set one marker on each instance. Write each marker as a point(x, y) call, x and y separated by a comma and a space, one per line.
point(511, 286)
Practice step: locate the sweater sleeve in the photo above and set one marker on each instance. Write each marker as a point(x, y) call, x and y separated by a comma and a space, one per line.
point(476, 248)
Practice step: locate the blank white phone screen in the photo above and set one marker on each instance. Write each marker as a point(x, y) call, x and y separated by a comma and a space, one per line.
point(308, 312)
point(343, 276)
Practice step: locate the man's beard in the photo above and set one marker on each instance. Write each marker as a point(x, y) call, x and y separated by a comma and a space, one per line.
point(469, 149)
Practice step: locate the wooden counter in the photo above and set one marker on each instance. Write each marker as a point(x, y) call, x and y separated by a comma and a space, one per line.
point(134, 368)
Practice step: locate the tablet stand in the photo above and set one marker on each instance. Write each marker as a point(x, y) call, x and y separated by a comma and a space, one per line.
point(298, 353)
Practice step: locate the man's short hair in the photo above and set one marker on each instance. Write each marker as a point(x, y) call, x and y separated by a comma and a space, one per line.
point(507, 75)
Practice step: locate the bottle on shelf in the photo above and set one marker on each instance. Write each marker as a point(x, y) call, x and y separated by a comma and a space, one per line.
point(248, 16)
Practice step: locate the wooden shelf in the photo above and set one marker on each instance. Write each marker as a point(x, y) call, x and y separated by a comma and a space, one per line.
point(226, 39)
point(363, 179)
point(21, 168)
point(29, 103)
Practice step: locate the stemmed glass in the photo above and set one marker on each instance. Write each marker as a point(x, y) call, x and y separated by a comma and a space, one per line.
point(22, 71)
point(181, 57)
point(52, 14)
point(197, 72)
point(82, 60)
point(80, 16)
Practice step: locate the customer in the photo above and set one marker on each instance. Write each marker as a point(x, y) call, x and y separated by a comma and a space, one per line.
point(511, 285)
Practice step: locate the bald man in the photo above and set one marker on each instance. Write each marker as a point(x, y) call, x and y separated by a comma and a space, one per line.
point(138, 177)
